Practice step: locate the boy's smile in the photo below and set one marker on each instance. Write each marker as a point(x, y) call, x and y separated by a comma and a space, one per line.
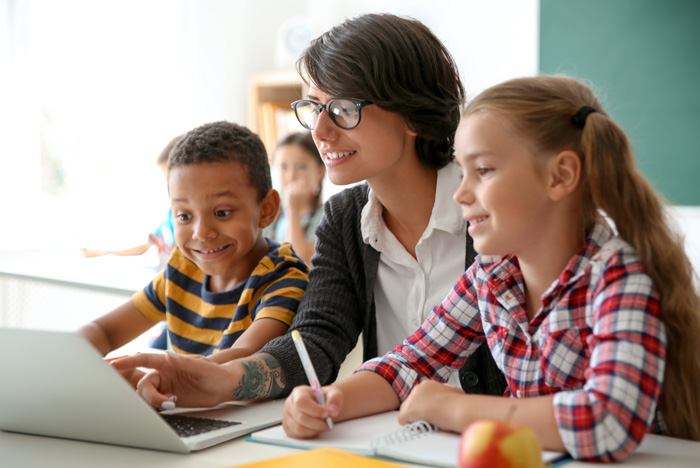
point(217, 220)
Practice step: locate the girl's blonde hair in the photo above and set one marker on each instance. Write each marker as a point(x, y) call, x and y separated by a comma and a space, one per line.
point(542, 109)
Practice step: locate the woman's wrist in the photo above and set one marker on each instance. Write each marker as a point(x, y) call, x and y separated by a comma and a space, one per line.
point(234, 374)
point(257, 377)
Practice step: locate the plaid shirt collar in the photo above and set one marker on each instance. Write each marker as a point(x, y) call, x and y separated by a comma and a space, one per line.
point(503, 271)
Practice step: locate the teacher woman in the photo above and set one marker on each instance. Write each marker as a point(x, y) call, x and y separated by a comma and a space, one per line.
point(383, 107)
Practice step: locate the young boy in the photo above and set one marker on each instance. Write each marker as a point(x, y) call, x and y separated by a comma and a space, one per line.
point(226, 287)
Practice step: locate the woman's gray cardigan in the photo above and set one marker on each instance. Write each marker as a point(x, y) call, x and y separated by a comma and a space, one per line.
point(339, 303)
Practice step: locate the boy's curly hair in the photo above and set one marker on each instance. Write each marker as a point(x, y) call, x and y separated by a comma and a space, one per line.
point(225, 141)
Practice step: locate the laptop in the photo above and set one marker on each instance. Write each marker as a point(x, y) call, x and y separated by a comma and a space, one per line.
point(56, 384)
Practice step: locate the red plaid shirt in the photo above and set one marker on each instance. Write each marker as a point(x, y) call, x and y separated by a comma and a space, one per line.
point(597, 343)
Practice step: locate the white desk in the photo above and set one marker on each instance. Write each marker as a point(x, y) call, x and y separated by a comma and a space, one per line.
point(110, 273)
point(19, 450)
point(62, 290)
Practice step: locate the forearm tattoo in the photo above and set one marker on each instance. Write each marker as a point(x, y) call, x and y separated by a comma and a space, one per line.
point(263, 379)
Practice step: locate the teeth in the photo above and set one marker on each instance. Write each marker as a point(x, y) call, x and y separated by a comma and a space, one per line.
point(477, 220)
point(338, 155)
point(211, 251)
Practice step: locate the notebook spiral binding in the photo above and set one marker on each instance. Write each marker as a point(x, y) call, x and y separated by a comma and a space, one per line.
point(406, 433)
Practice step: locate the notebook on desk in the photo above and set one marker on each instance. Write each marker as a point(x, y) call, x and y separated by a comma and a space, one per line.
point(56, 384)
point(381, 435)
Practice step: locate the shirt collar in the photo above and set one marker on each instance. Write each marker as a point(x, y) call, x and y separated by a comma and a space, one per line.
point(501, 268)
point(446, 214)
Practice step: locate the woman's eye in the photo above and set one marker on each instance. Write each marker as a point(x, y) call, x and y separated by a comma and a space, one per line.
point(482, 171)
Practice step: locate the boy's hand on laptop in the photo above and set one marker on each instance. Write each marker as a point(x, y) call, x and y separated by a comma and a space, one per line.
point(195, 381)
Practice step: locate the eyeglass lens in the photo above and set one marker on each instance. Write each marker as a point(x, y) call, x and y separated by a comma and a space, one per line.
point(344, 113)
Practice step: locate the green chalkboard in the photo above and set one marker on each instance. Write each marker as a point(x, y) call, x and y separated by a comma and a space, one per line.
point(642, 57)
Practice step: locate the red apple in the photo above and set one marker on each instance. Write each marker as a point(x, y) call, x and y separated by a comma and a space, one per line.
point(498, 444)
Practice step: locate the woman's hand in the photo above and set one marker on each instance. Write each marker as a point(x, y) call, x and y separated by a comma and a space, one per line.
point(194, 380)
point(133, 376)
point(304, 417)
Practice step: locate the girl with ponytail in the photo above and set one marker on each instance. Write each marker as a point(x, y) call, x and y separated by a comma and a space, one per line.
point(595, 330)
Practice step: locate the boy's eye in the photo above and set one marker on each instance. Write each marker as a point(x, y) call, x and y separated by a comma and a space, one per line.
point(222, 213)
point(183, 217)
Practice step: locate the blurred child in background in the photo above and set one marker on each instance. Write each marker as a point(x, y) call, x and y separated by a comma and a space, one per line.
point(163, 238)
point(301, 171)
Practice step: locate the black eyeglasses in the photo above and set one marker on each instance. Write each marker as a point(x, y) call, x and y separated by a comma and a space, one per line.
point(344, 112)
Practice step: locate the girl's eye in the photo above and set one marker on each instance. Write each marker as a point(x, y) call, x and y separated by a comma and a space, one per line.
point(222, 213)
point(183, 217)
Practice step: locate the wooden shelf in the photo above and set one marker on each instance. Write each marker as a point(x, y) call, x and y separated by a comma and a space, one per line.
point(269, 99)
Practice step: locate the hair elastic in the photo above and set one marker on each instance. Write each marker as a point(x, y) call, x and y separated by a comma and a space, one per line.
point(580, 116)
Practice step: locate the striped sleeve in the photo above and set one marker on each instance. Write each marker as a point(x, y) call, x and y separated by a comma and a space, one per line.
point(280, 288)
point(151, 300)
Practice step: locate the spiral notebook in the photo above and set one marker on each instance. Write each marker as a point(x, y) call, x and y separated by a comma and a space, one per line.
point(381, 435)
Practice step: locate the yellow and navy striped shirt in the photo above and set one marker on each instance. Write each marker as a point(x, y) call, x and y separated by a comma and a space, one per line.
point(203, 322)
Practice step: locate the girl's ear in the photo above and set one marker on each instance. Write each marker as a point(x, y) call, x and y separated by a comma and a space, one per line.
point(269, 207)
point(565, 174)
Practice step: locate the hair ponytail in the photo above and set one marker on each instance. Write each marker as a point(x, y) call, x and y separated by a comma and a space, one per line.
point(542, 109)
point(641, 220)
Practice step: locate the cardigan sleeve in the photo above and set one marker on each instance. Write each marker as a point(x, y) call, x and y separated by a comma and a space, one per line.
point(330, 315)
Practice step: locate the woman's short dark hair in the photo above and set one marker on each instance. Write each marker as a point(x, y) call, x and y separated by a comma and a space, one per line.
point(398, 64)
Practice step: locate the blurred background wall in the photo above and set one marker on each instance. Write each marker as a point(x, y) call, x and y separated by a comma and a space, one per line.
point(91, 91)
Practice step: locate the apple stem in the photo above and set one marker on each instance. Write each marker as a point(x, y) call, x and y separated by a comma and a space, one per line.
point(510, 413)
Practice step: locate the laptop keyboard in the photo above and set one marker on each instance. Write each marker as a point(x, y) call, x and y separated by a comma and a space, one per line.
point(186, 426)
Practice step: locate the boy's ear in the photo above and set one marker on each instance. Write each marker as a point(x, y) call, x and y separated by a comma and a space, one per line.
point(565, 174)
point(269, 207)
